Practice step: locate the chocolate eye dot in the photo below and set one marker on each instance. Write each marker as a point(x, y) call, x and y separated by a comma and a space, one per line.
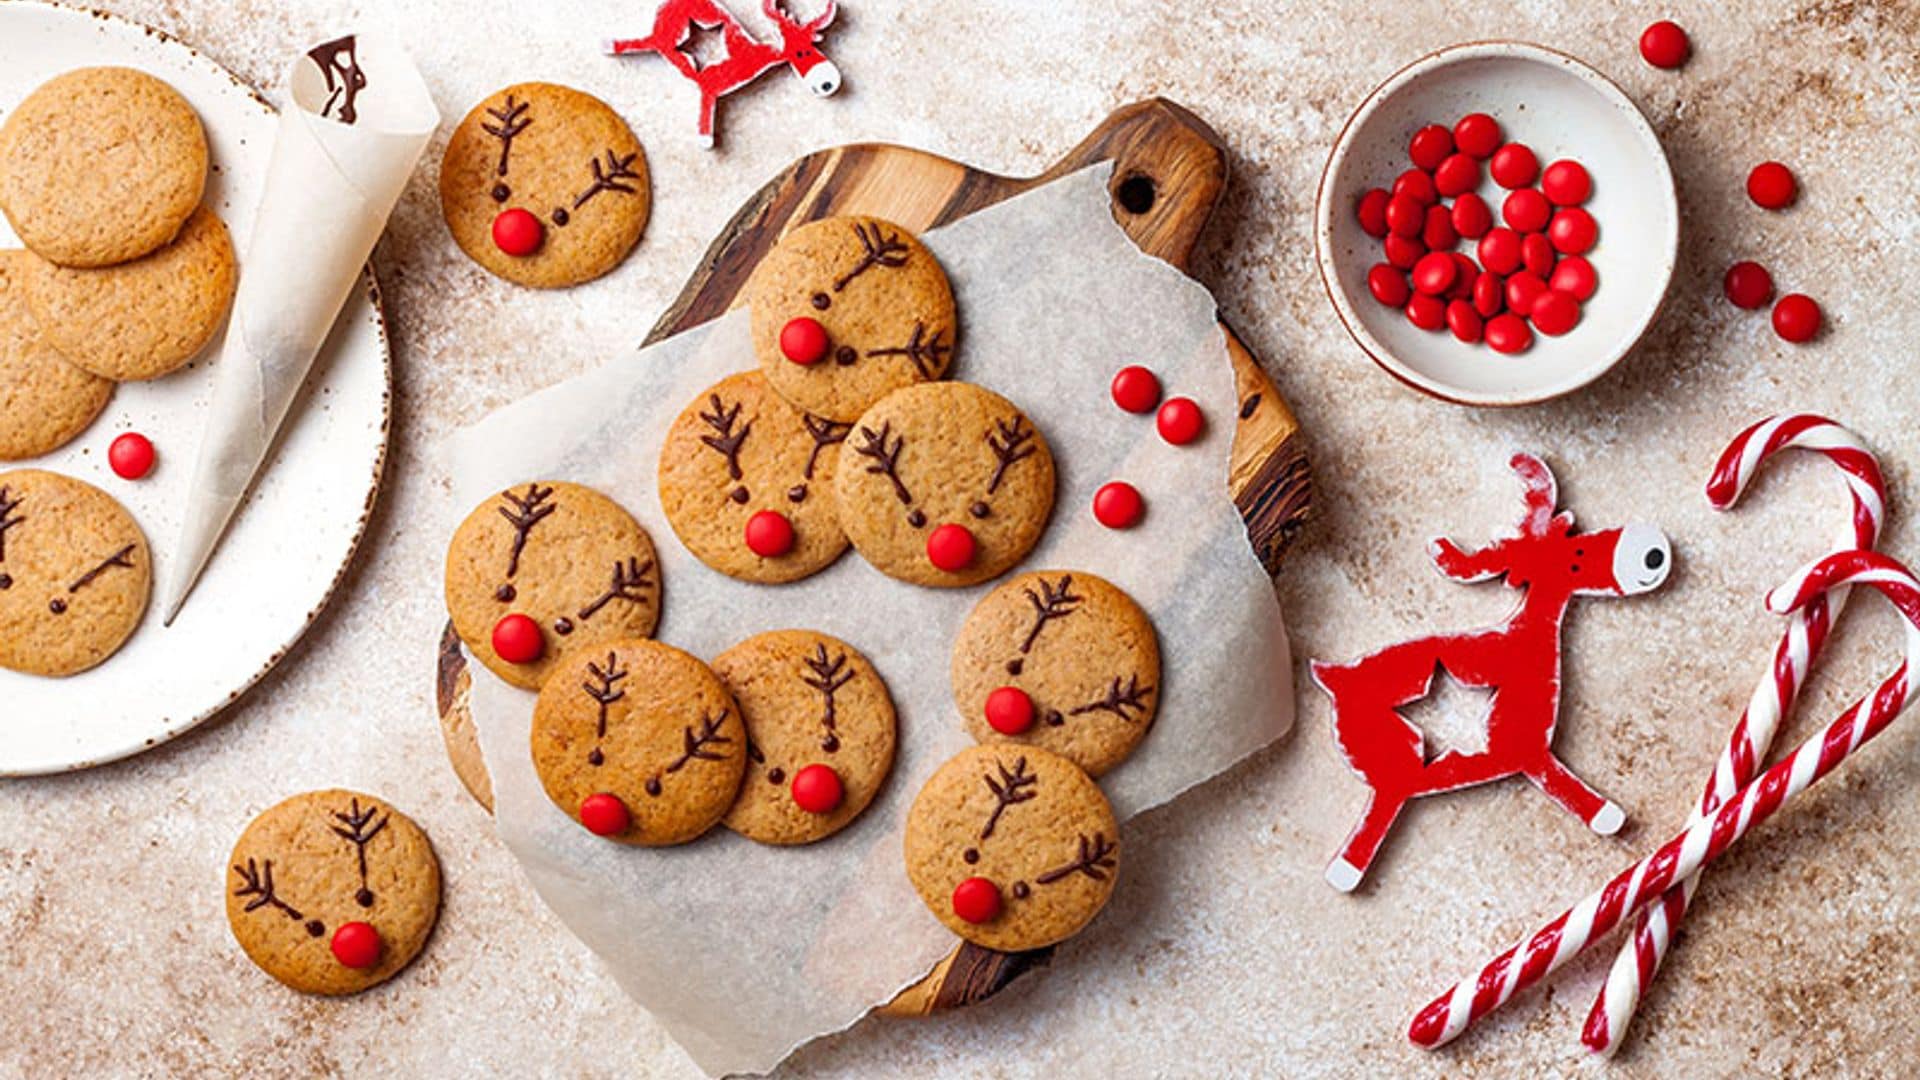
point(831, 744)
point(560, 215)
point(971, 855)
point(979, 510)
point(501, 193)
point(505, 594)
point(595, 757)
point(740, 495)
point(797, 493)
point(315, 928)
point(653, 786)
point(57, 606)
point(845, 355)
point(6, 581)
point(1054, 719)
point(563, 626)
point(364, 897)
point(916, 519)
point(776, 776)
point(1015, 666)
point(1021, 890)
point(821, 301)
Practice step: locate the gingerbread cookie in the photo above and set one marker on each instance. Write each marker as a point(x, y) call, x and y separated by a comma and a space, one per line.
point(45, 401)
point(332, 892)
point(820, 734)
point(847, 310)
point(74, 574)
point(140, 319)
point(545, 570)
point(639, 742)
point(545, 186)
point(1012, 847)
point(743, 477)
point(944, 484)
point(1061, 660)
point(101, 165)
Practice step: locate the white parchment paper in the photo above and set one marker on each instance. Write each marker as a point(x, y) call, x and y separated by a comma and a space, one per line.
point(744, 951)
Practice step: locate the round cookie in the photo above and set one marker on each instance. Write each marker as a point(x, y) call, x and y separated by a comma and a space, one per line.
point(309, 875)
point(563, 555)
point(1081, 651)
point(45, 401)
point(808, 700)
point(566, 169)
point(880, 295)
point(737, 451)
point(101, 165)
point(939, 456)
point(141, 319)
point(1032, 827)
point(75, 574)
point(646, 724)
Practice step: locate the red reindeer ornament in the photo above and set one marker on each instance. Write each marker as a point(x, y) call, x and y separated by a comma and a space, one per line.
point(746, 57)
point(1518, 660)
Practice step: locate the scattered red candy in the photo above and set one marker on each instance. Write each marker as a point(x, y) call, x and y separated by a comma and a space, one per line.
point(1388, 285)
point(1573, 231)
point(804, 341)
point(1772, 186)
point(1137, 390)
point(1457, 175)
point(1406, 215)
point(1403, 251)
point(976, 900)
point(1536, 254)
point(951, 548)
point(1514, 166)
point(1508, 333)
point(1526, 210)
point(1465, 279)
point(604, 815)
point(1477, 135)
point(130, 456)
point(1118, 505)
point(1499, 250)
point(1009, 710)
point(1489, 295)
point(1464, 321)
point(1417, 185)
point(1796, 318)
point(1427, 312)
point(1434, 273)
point(1180, 421)
point(769, 534)
point(1555, 313)
point(1665, 45)
point(1372, 212)
point(517, 640)
point(1430, 146)
point(817, 789)
point(517, 232)
point(1566, 183)
point(1524, 289)
point(1575, 276)
point(1749, 285)
point(1472, 217)
point(356, 945)
point(1438, 233)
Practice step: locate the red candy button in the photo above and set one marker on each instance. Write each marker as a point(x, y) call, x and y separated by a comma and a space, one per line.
point(1499, 250)
point(1403, 251)
point(1118, 505)
point(356, 945)
point(1555, 313)
point(1180, 421)
point(1508, 334)
point(1417, 185)
point(1526, 210)
point(804, 341)
point(1665, 45)
point(1427, 312)
point(1796, 318)
point(1472, 217)
point(1566, 183)
point(1524, 289)
point(1372, 212)
point(1389, 286)
point(769, 534)
point(517, 640)
point(1438, 233)
point(1464, 321)
point(816, 789)
point(130, 456)
point(1434, 273)
point(1749, 285)
point(1771, 185)
point(1430, 146)
point(1536, 254)
point(517, 232)
point(1489, 295)
point(976, 900)
point(950, 548)
point(1137, 390)
point(1406, 215)
point(1457, 175)
point(1514, 166)
point(604, 814)
point(1009, 710)
point(1464, 281)
point(1573, 231)
point(1477, 135)
point(1575, 276)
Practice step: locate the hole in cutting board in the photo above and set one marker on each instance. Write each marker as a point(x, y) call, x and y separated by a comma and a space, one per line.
point(1137, 194)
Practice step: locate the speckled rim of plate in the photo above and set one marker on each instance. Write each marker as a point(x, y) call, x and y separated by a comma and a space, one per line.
point(171, 728)
point(1376, 351)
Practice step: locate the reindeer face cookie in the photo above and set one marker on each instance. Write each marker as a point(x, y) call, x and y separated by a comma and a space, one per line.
point(744, 479)
point(545, 186)
point(1012, 847)
point(332, 892)
point(820, 734)
point(74, 574)
point(563, 556)
point(944, 484)
point(847, 310)
point(639, 742)
point(1061, 660)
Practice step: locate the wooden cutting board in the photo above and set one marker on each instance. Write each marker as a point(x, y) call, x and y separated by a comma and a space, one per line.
point(1169, 172)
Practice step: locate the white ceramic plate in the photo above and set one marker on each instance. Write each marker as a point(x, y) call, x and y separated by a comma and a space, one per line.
point(1561, 108)
point(291, 541)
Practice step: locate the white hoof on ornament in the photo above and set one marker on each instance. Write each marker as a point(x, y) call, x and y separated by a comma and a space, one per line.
point(1608, 820)
point(1343, 875)
point(704, 142)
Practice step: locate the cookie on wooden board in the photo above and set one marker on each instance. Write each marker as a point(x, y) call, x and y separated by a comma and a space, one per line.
point(1059, 659)
point(45, 401)
point(944, 484)
point(639, 742)
point(332, 892)
point(744, 480)
point(820, 734)
point(564, 556)
point(75, 574)
point(101, 165)
point(1012, 847)
point(545, 186)
point(847, 310)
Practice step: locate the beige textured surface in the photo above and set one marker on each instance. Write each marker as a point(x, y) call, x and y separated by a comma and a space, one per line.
point(1223, 952)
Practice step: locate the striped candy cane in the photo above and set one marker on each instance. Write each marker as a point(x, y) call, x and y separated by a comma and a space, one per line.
point(1538, 956)
point(1640, 957)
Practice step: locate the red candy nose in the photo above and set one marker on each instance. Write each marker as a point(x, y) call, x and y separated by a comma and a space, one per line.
point(804, 341)
point(356, 945)
point(951, 548)
point(817, 790)
point(517, 640)
point(1009, 710)
point(976, 900)
point(517, 232)
point(604, 814)
point(769, 534)
point(131, 456)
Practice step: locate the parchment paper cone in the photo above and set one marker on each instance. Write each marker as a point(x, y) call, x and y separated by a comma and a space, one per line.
point(356, 120)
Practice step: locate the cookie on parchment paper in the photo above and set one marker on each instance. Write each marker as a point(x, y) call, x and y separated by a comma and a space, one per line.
point(75, 574)
point(45, 401)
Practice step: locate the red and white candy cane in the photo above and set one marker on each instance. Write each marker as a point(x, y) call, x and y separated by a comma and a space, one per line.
point(1640, 957)
point(1539, 955)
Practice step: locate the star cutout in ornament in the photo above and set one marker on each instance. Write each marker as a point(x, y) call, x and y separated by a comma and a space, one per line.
point(705, 45)
point(1453, 715)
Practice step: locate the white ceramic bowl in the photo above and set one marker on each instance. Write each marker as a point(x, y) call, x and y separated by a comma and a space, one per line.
point(1559, 107)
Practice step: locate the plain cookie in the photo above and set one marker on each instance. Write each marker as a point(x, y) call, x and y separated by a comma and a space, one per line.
point(45, 401)
point(74, 574)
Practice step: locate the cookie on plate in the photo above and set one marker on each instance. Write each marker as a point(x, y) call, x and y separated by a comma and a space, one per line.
point(847, 310)
point(45, 401)
point(563, 556)
point(944, 484)
point(743, 478)
point(820, 734)
point(545, 186)
point(1062, 660)
point(140, 319)
point(101, 165)
point(639, 742)
point(74, 574)
point(1012, 847)
point(332, 892)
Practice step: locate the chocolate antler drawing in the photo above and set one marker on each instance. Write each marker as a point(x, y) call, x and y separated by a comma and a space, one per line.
point(8, 519)
point(513, 120)
point(1095, 860)
point(607, 176)
point(1055, 600)
point(695, 746)
point(827, 676)
point(257, 882)
point(1016, 786)
point(122, 559)
point(888, 251)
point(727, 441)
point(345, 80)
point(886, 459)
point(629, 578)
point(527, 511)
point(928, 354)
point(1117, 700)
point(602, 692)
point(1012, 441)
point(360, 828)
point(825, 433)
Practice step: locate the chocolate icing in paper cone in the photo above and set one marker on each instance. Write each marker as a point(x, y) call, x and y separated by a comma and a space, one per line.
point(356, 120)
